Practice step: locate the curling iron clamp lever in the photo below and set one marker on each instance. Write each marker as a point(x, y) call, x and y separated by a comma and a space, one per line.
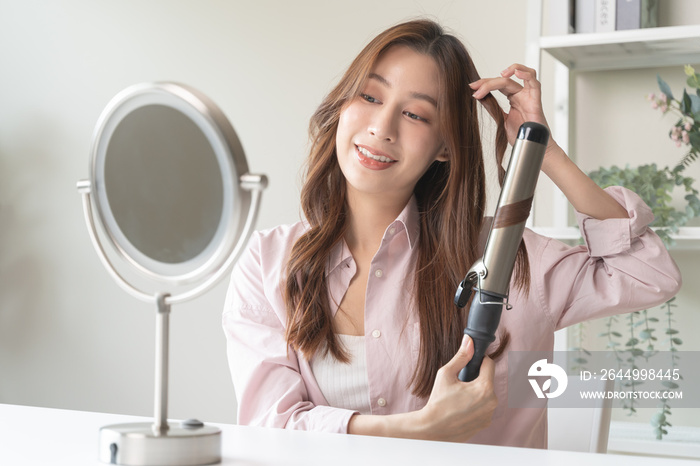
point(464, 290)
point(473, 279)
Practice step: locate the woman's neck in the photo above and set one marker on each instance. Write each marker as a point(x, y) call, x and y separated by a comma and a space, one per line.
point(368, 218)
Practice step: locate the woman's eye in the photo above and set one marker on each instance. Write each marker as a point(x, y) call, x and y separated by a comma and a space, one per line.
point(413, 116)
point(369, 98)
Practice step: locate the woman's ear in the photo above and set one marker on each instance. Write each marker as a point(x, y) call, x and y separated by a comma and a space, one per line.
point(443, 155)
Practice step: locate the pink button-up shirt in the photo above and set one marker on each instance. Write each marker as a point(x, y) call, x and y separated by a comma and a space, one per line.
point(624, 267)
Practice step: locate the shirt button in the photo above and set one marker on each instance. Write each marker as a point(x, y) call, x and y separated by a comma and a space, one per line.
point(376, 333)
point(381, 402)
point(378, 273)
point(392, 230)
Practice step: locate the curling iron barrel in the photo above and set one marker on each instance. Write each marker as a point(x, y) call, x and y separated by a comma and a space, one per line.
point(490, 276)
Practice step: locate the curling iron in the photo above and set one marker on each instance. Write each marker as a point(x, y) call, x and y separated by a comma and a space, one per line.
point(490, 276)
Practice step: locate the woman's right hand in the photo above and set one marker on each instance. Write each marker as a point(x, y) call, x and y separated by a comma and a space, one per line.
point(457, 410)
point(454, 412)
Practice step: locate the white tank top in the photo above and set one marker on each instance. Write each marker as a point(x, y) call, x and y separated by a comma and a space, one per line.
point(345, 385)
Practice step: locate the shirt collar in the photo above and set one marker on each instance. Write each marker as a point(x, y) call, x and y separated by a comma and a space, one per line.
point(340, 254)
point(408, 221)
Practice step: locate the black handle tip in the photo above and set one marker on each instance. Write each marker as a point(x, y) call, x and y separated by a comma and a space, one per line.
point(535, 132)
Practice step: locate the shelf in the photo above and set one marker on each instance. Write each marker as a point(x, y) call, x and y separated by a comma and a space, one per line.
point(638, 48)
point(687, 238)
point(638, 438)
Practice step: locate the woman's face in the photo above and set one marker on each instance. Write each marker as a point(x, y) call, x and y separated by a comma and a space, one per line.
point(389, 135)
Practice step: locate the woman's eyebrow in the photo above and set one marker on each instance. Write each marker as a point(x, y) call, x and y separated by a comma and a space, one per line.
point(416, 95)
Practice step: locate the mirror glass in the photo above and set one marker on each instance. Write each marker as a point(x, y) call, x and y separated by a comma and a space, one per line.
point(166, 165)
point(165, 192)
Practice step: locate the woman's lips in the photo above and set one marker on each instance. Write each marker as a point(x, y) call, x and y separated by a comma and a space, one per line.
point(372, 159)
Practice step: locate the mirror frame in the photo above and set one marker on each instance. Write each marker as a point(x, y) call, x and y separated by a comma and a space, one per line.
point(231, 161)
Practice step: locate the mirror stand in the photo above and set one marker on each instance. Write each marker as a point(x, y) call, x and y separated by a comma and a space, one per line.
point(190, 442)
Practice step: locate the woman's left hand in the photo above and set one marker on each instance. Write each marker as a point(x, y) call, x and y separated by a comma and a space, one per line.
point(525, 99)
point(526, 105)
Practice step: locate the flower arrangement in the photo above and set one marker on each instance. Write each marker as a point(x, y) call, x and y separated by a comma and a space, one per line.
point(686, 131)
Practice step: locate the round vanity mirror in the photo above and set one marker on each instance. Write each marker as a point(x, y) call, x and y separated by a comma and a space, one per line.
point(171, 193)
point(165, 167)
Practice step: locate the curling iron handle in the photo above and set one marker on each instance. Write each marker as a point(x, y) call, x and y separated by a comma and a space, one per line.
point(484, 316)
point(473, 367)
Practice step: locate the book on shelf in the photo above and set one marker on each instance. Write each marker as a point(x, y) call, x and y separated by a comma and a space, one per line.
point(637, 14)
point(561, 17)
point(585, 16)
point(605, 12)
point(602, 15)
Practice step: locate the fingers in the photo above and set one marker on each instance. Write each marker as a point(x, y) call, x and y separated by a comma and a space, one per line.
point(527, 75)
point(461, 358)
point(521, 71)
point(485, 86)
point(505, 84)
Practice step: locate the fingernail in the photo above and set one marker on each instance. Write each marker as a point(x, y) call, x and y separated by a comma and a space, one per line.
point(465, 341)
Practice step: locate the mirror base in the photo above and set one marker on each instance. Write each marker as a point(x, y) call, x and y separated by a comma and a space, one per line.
point(138, 444)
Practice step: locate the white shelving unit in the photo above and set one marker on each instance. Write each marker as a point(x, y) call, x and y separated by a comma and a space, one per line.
point(619, 50)
point(640, 48)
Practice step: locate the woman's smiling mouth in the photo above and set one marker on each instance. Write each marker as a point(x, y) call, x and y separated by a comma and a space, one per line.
point(371, 160)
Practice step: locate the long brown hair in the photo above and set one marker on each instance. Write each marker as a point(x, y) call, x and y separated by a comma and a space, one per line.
point(451, 198)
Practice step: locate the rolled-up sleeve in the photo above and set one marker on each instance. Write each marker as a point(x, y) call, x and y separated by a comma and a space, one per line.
point(623, 267)
point(266, 373)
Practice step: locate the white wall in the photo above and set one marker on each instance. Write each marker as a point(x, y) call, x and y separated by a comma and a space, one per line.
point(69, 337)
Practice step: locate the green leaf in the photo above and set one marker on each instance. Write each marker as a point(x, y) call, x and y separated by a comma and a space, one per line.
point(694, 139)
point(664, 87)
point(677, 341)
point(693, 78)
point(694, 103)
point(657, 419)
point(685, 103)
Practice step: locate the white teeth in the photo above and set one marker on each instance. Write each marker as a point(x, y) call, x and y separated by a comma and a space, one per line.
point(379, 158)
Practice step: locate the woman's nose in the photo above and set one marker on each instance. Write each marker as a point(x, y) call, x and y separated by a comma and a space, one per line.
point(384, 125)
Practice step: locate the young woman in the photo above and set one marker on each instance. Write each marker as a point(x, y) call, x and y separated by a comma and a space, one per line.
point(345, 322)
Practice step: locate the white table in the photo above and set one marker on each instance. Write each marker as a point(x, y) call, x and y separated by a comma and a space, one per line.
point(46, 436)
